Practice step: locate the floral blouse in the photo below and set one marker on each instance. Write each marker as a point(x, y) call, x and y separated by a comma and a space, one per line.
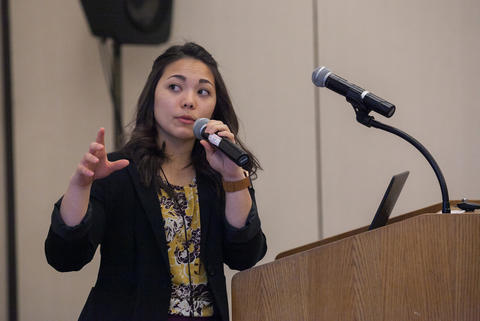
point(189, 278)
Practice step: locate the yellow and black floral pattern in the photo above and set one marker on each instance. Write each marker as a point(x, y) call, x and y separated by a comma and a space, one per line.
point(175, 214)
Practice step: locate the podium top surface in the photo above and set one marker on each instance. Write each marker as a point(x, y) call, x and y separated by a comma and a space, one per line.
point(436, 208)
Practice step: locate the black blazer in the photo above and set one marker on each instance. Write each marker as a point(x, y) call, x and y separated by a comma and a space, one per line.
point(133, 282)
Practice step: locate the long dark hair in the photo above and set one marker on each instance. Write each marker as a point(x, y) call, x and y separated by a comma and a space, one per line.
point(142, 147)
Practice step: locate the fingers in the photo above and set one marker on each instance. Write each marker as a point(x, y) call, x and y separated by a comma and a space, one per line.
point(227, 134)
point(219, 161)
point(101, 136)
point(94, 164)
point(91, 159)
point(209, 149)
point(83, 170)
point(118, 165)
point(219, 128)
point(97, 148)
point(88, 164)
point(214, 126)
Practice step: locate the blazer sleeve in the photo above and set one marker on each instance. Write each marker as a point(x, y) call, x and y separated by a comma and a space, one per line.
point(70, 248)
point(244, 247)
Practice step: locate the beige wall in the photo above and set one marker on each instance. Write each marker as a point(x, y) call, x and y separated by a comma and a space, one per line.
point(418, 54)
point(422, 56)
point(60, 101)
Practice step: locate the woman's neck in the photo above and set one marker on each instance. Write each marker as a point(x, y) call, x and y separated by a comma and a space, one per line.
point(178, 167)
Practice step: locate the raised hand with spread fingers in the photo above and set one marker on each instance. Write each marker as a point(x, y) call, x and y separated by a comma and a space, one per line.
point(93, 165)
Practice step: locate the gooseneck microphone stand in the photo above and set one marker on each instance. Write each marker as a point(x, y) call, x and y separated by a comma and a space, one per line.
point(364, 118)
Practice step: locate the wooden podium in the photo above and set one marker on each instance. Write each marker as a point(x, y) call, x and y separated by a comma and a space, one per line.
point(418, 267)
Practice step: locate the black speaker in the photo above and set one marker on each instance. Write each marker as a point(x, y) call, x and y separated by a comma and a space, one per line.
point(130, 21)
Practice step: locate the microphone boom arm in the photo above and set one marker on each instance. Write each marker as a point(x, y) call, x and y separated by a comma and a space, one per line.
point(364, 118)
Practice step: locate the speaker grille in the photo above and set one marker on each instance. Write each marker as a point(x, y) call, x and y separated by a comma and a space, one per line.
point(130, 21)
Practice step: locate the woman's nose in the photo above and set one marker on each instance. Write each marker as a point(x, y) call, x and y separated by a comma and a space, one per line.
point(189, 101)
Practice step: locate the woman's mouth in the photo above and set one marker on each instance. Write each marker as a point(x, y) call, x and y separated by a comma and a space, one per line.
point(186, 119)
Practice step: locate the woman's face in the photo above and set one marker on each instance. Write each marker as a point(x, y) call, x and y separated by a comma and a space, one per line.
point(184, 93)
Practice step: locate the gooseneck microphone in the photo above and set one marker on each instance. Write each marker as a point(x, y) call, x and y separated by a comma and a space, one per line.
point(363, 103)
point(323, 77)
point(233, 151)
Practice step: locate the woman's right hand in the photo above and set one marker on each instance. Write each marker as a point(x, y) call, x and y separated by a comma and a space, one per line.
point(94, 164)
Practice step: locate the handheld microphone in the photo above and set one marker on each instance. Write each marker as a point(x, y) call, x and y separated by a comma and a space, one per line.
point(233, 151)
point(323, 77)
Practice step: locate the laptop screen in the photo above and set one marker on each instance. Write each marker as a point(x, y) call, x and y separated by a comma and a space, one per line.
point(389, 199)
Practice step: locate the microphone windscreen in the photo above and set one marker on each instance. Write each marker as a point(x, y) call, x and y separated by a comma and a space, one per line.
point(320, 75)
point(198, 127)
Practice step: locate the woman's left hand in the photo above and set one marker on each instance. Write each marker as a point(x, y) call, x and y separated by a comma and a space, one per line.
point(216, 158)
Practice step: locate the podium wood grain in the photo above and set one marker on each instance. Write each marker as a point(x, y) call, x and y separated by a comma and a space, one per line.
point(423, 268)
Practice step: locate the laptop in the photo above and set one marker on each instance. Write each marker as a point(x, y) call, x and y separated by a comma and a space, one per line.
point(389, 199)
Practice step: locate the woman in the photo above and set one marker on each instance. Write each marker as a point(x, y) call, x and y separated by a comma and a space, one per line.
point(168, 210)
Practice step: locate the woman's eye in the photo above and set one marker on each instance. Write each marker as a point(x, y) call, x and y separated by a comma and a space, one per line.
point(174, 87)
point(204, 92)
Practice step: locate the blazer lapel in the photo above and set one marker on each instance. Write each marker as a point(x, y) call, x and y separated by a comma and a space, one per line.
point(149, 199)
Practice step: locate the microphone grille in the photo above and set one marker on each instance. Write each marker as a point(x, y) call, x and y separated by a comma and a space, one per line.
point(198, 127)
point(320, 75)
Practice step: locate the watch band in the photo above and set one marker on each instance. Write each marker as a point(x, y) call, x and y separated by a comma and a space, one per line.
point(236, 185)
